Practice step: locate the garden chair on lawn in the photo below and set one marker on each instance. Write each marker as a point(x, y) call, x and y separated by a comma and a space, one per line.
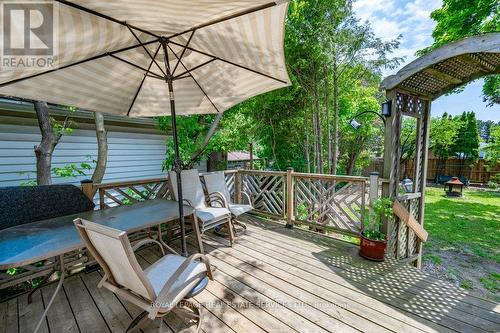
point(164, 286)
point(216, 182)
point(211, 215)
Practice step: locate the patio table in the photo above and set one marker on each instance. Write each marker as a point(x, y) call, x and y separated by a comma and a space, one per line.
point(32, 242)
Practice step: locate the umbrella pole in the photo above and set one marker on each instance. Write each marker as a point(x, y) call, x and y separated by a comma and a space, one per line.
point(177, 161)
point(177, 168)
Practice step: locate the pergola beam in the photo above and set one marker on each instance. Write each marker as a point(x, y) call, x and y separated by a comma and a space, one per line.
point(442, 76)
point(475, 60)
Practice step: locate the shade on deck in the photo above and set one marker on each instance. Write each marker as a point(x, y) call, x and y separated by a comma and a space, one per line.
point(278, 280)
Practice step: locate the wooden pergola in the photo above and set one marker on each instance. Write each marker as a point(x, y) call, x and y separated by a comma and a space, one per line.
point(412, 90)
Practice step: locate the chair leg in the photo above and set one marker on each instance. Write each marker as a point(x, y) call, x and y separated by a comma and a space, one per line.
point(137, 322)
point(231, 231)
point(240, 224)
point(197, 234)
point(189, 311)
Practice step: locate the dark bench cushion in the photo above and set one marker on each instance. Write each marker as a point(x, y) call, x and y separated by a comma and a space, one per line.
point(25, 204)
point(441, 179)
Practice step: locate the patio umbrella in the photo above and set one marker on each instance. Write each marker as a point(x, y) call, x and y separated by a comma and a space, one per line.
point(144, 58)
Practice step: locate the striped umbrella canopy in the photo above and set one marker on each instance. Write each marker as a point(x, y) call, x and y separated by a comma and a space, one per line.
point(142, 58)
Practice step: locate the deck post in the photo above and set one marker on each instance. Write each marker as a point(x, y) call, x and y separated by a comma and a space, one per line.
point(87, 187)
point(289, 198)
point(373, 187)
point(237, 186)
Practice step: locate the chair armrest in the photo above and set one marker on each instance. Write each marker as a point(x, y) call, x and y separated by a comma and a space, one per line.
point(248, 198)
point(187, 203)
point(164, 293)
point(147, 241)
point(217, 197)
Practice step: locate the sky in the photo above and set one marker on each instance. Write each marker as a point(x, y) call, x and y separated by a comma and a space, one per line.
point(411, 19)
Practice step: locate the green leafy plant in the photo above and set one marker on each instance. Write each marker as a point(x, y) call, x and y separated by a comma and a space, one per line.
point(492, 185)
point(71, 170)
point(382, 208)
point(74, 170)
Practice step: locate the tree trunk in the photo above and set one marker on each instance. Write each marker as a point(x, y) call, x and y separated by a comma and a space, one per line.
point(208, 136)
point(308, 159)
point(350, 164)
point(328, 125)
point(44, 150)
point(319, 130)
point(102, 148)
point(315, 139)
point(335, 155)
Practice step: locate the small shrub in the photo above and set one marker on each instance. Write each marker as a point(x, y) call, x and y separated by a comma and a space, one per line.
point(382, 208)
point(495, 178)
point(492, 185)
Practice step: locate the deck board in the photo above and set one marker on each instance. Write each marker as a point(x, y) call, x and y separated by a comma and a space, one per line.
point(275, 280)
point(405, 292)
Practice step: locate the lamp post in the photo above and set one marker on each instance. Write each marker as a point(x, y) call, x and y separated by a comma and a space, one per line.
point(386, 112)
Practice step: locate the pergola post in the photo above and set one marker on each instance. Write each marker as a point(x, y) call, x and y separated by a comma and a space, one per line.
point(403, 244)
point(423, 180)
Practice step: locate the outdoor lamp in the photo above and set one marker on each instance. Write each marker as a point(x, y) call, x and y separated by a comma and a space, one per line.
point(386, 108)
point(354, 124)
point(386, 112)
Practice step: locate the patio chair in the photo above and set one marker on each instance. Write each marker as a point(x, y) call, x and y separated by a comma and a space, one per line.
point(212, 211)
point(163, 287)
point(216, 182)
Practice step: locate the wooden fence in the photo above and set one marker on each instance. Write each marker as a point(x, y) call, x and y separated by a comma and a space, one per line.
point(476, 173)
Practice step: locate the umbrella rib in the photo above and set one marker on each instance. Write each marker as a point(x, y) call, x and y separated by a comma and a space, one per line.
point(194, 68)
point(230, 62)
point(112, 19)
point(142, 82)
point(136, 66)
point(77, 63)
point(181, 77)
point(230, 17)
point(147, 51)
point(183, 51)
point(195, 81)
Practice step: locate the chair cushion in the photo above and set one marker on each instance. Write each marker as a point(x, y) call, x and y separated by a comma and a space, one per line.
point(237, 209)
point(159, 273)
point(210, 213)
point(26, 204)
point(198, 288)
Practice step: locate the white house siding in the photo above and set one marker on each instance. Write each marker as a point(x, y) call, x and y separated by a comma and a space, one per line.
point(130, 155)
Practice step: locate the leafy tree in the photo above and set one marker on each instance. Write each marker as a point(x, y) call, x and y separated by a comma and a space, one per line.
point(493, 147)
point(334, 62)
point(457, 19)
point(484, 128)
point(466, 145)
point(443, 133)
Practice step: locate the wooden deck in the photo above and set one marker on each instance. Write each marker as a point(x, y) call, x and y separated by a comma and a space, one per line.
point(276, 280)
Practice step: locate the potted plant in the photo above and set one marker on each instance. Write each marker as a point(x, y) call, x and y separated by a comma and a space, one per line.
point(373, 242)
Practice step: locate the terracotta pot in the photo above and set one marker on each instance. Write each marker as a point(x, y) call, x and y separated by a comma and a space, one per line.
point(372, 249)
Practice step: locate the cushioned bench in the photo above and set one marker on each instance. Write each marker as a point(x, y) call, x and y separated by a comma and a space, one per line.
point(26, 204)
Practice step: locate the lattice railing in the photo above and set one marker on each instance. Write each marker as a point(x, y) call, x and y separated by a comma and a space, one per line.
point(330, 201)
point(130, 192)
point(267, 190)
point(127, 193)
point(322, 200)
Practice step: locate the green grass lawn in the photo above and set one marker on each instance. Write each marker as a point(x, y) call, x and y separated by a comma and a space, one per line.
point(464, 239)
